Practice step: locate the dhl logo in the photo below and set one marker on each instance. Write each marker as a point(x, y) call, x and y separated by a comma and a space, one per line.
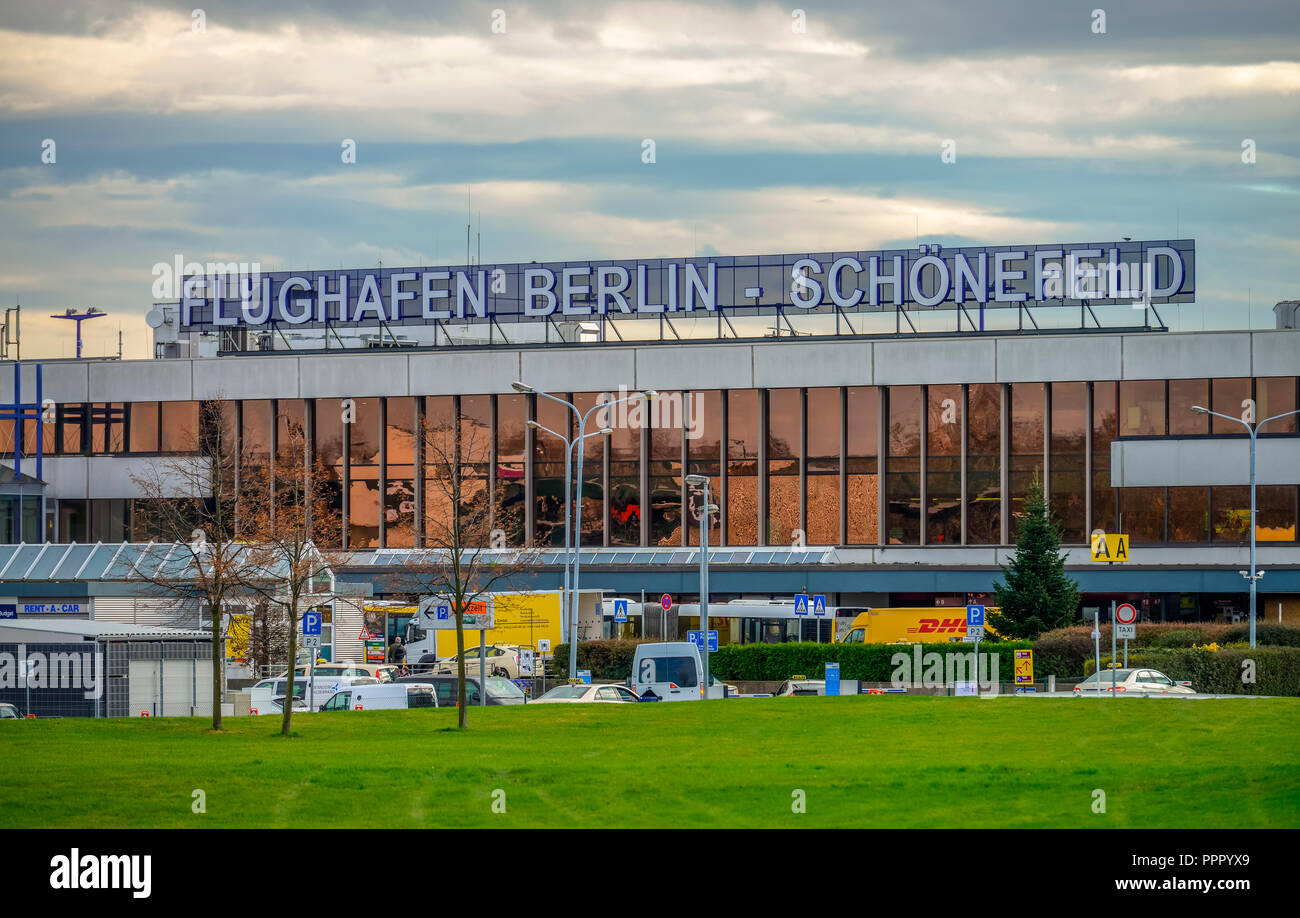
point(934, 626)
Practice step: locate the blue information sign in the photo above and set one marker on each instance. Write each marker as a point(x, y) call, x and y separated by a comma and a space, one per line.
point(800, 603)
point(832, 679)
point(819, 604)
point(696, 638)
point(311, 623)
point(620, 610)
point(975, 616)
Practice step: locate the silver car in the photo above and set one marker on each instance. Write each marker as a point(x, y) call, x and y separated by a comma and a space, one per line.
point(1133, 681)
point(574, 694)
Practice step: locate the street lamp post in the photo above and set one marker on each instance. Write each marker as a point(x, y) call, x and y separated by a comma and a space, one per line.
point(702, 482)
point(572, 555)
point(1252, 429)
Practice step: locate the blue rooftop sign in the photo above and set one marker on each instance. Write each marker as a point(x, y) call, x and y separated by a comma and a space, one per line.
point(931, 276)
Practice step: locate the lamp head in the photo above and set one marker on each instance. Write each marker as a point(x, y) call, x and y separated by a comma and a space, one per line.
point(522, 387)
point(534, 425)
point(697, 480)
point(606, 431)
point(1199, 410)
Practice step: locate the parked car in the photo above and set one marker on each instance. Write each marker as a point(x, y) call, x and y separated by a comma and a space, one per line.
point(10, 712)
point(499, 691)
point(1134, 680)
point(671, 671)
point(392, 696)
point(298, 704)
point(802, 687)
point(502, 660)
point(384, 672)
point(571, 694)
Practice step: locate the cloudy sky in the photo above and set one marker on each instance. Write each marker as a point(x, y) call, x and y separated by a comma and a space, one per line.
point(218, 136)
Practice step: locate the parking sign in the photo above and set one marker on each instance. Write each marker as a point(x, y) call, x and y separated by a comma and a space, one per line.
point(311, 622)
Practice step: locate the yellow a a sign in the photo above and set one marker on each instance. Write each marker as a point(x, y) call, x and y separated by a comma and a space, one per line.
point(1106, 547)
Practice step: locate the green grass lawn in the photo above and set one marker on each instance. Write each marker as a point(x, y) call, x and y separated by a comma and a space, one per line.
point(869, 761)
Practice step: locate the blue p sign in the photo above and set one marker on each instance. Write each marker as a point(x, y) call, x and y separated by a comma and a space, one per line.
point(975, 616)
point(311, 623)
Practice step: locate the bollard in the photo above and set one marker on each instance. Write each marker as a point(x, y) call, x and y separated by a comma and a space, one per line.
point(359, 707)
point(144, 714)
point(252, 710)
point(31, 716)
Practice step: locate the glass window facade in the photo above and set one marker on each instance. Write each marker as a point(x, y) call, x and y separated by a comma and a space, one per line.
point(741, 506)
point(945, 416)
point(903, 467)
point(784, 453)
point(862, 465)
point(821, 498)
point(780, 461)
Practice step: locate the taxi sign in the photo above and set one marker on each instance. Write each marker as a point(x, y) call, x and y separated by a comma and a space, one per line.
point(1109, 548)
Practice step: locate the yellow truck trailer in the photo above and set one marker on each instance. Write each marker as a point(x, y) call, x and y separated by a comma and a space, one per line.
point(910, 626)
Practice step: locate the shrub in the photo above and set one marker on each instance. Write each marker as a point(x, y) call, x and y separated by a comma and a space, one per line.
point(1065, 651)
point(1277, 669)
point(865, 662)
point(607, 660)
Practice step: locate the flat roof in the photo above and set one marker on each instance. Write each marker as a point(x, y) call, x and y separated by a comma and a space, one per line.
point(93, 629)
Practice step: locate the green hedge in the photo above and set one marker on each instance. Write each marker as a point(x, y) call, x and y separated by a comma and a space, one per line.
point(866, 662)
point(607, 660)
point(1277, 669)
point(1065, 651)
point(772, 662)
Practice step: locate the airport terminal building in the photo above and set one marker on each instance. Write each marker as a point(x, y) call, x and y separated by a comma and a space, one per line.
point(870, 440)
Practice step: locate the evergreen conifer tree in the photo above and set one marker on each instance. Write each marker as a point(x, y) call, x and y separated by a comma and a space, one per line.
point(1037, 595)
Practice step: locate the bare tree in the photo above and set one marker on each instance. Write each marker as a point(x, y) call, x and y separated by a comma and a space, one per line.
point(193, 501)
point(285, 567)
point(466, 526)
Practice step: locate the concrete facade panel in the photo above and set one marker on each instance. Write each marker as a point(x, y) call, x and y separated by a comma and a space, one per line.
point(582, 371)
point(246, 377)
point(1189, 356)
point(696, 367)
point(955, 360)
point(355, 376)
point(469, 373)
point(1276, 353)
point(1079, 357)
point(1211, 461)
point(817, 364)
point(141, 381)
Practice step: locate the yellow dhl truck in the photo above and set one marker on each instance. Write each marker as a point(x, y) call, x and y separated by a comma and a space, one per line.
point(910, 625)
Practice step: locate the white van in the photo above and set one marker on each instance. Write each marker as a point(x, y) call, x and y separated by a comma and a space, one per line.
point(393, 696)
point(263, 695)
point(671, 671)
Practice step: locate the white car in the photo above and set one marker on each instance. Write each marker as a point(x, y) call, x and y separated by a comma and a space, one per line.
point(573, 694)
point(802, 687)
point(1133, 681)
point(502, 660)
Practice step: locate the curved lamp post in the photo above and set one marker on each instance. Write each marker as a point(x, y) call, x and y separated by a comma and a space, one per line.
point(572, 555)
point(1252, 429)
